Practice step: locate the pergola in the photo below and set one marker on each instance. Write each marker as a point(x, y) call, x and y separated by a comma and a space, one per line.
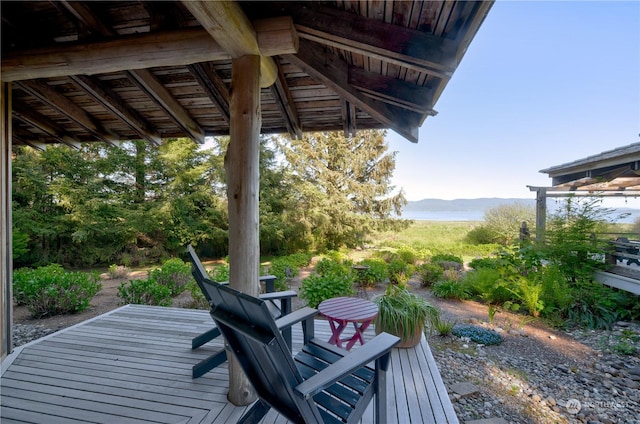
point(614, 173)
point(84, 71)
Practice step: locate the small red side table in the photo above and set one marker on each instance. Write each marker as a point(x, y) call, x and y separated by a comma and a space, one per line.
point(340, 311)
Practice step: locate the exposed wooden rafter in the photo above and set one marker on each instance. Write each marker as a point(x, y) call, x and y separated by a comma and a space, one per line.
point(112, 102)
point(400, 46)
point(66, 107)
point(392, 90)
point(147, 82)
point(28, 116)
point(213, 85)
point(349, 119)
point(332, 71)
point(285, 103)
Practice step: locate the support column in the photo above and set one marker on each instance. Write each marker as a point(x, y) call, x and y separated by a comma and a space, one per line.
point(6, 257)
point(243, 182)
point(541, 214)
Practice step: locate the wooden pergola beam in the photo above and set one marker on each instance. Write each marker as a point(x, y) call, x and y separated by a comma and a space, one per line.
point(213, 86)
point(332, 71)
point(112, 102)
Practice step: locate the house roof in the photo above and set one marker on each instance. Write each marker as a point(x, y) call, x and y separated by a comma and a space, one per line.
point(612, 170)
point(121, 70)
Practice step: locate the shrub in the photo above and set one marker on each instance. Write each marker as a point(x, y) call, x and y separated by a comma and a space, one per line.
point(118, 271)
point(446, 257)
point(220, 273)
point(529, 293)
point(327, 266)
point(488, 284)
point(145, 292)
point(478, 263)
point(399, 271)
point(375, 274)
point(199, 301)
point(316, 287)
point(450, 290)
point(175, 274)
point(50, 290)
point(481, 235)
point(443, 326)
point(477, 334)
point(407, 255)
point(429, 273)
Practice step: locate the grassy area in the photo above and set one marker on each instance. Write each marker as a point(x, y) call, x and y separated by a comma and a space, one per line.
point(437, 237)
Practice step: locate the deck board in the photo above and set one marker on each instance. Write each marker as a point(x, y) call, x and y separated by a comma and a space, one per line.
point(133, 365)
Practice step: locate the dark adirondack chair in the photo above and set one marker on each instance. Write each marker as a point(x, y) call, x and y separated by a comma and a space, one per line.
point(321, 384)
point(279, 306)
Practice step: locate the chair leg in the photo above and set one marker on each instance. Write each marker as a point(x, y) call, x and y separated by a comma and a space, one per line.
point(205, 337)
point(255, 413)
point(206, 365)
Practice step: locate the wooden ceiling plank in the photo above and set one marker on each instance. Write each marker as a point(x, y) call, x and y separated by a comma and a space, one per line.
point(332, 71)
point(286, 104)
point(229, 26)
point(112, 102)
point(148, 83)
point(172, 48)
point(83, 13)
point(27, 115)
point(51, 97)
point(213, 86)
point(391, 90)
point(402, 46)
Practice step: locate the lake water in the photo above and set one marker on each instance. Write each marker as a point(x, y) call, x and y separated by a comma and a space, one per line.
point(443, 215)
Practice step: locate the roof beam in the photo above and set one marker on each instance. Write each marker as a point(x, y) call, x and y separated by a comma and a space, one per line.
point(349, 119)
point(147, 82)
point(213, 86)
point(27, 115)
point(390, 43)
point(285, 103)
point(66, 107)
point(406, 95)
point(112, 102)
point(332, 71)
point(229, 26)
point(179, 47)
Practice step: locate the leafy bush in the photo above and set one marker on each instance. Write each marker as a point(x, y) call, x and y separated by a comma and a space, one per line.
point(443, 326)
point(50, 290)
point(175, 274)
point(446, 257)
point(407, 255)
point(220, 273)
point(316, 287)
point(145, 292)
point(375, 274)
point(488, 284)
point(529, 292)
point(399, 271)
point(429, 273)
point(198, 299)
point(327, 266)
point(450, 290)
point(481, 235)
point(477, 334)
point(478, 263)
point(118, 271)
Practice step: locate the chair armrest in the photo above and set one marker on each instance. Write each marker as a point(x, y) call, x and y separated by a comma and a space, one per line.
point(381, 345)
point(296, 317)
point(278, 295)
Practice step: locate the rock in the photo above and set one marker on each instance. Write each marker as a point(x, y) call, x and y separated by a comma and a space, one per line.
point(634, 371)
point(464, 389)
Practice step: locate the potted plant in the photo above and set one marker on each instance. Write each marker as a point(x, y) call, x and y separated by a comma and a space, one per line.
point(403, 314)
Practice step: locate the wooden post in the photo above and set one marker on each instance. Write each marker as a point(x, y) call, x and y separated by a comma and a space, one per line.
point(6, 257)
point(243, 179)
point(541, 214)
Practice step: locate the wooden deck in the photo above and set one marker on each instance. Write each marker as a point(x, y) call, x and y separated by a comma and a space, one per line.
point(133, 365)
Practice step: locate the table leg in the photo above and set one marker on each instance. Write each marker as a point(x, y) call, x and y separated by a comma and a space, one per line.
point(337, 327)
point(358, 334)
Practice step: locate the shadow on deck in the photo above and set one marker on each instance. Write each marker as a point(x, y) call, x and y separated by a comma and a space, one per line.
point(133, 365)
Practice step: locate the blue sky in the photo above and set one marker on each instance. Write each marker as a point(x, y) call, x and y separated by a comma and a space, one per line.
point(543, 83)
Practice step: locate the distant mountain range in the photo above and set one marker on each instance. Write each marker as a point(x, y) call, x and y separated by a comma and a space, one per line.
point(479, 205)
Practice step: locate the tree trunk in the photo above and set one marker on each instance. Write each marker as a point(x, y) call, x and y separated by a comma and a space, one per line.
point(243, 179)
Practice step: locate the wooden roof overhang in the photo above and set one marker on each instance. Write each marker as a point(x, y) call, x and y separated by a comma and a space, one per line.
point(112, 71)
